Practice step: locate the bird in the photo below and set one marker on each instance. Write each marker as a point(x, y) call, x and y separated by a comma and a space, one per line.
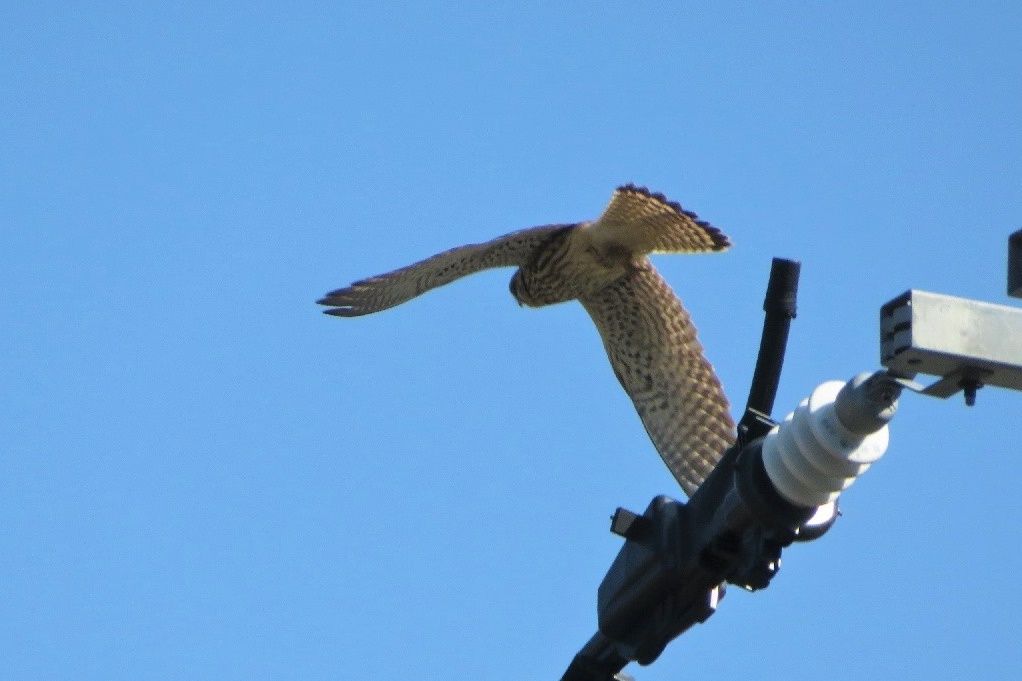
point(646, 331)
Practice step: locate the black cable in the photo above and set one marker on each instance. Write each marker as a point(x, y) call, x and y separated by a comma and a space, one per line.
point(780, 307)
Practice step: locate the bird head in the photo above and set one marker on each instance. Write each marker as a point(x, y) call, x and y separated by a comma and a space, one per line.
point(517, 287)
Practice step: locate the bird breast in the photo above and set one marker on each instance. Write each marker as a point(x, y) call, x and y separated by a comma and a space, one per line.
point(568, 266)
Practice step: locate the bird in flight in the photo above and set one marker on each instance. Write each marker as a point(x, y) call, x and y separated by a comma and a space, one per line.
point(647, 333)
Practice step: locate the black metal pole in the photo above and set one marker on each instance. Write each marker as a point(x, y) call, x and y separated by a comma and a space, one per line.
point(597, 661)
point(1015, 264)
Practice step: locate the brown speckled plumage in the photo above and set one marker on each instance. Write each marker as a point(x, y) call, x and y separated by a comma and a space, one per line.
point(656, 356)
point(648, 335)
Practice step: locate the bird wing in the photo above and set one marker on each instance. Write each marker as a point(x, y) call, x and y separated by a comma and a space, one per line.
point(393, 288)
point(655, 354)
point(644, 222)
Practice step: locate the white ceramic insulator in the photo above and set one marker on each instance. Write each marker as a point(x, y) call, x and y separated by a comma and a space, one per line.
point(811, 457)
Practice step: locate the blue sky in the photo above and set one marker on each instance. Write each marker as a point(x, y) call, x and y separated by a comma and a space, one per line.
point(205, 478)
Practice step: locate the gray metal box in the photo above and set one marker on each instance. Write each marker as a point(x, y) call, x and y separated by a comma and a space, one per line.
point(958, 339)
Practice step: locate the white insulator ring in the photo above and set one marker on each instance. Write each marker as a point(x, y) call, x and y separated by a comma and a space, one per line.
point(811, 457)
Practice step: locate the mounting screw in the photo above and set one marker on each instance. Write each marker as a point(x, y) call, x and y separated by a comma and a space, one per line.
point(970, 386)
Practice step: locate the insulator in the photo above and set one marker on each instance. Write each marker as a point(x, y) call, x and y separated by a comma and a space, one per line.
point(811, 457)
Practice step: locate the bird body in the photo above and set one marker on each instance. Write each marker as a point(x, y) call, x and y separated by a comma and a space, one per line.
point(648, 335)
point(567, 266)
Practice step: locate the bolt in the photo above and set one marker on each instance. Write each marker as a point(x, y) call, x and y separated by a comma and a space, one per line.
point(970, 386)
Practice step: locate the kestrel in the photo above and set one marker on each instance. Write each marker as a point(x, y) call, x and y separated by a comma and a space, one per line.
point(648, 335)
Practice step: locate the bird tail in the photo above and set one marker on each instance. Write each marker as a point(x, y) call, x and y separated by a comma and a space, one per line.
point(647, 222)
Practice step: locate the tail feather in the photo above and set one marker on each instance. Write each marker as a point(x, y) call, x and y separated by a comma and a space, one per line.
point(646, 222)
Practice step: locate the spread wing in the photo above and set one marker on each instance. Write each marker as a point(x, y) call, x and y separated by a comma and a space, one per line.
point(645, 222)
point(657, 357)
point(393, 288)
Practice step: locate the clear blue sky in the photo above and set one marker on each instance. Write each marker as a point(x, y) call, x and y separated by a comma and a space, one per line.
point(202, 477)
